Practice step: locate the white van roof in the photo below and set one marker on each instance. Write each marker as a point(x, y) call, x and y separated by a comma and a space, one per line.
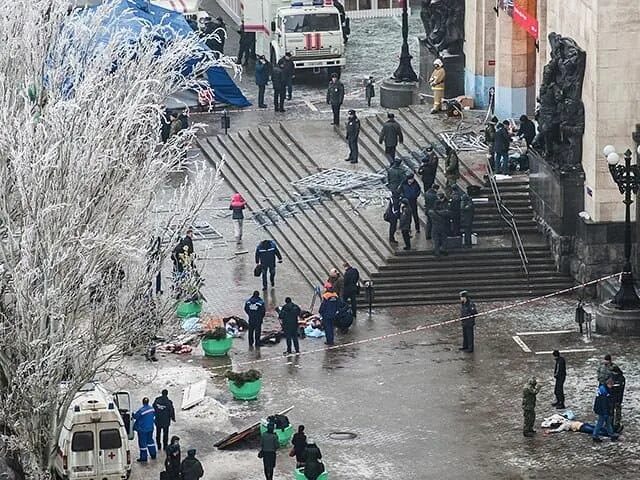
point(181, 6)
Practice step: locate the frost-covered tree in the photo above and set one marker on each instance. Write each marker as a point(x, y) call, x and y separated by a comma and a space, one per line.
point(81, 164)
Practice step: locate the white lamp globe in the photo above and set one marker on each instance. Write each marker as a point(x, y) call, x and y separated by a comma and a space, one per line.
point(613, 158)
point(609, 149)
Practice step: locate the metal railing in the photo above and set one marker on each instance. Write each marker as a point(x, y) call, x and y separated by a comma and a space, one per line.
point(508, 217)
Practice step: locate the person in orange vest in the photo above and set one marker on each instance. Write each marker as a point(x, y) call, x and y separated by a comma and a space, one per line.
point(437, 84)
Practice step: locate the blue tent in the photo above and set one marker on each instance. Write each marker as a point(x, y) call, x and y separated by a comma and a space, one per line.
point(130, 16)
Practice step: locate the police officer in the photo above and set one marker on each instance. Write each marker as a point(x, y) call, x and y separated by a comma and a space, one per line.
point(353, 132)
point(529, 393)
point(279, 87)
point(288, 72)
point(392, 215)
point(468, 314)
point(266, 253)
point(453, 193)
point(254, 308)
point(440, 225)
point(262, 78)
point(165, 414)
point(335, 97)
point(247, 45)
point(144, 420)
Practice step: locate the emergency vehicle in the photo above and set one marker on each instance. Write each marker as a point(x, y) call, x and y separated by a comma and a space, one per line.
point(94, 440)
point(310, 29)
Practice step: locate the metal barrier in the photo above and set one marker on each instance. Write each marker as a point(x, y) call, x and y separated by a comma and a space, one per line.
point(508, 217)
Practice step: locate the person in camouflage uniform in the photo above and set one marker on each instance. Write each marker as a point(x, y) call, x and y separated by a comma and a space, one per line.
point(529, 406)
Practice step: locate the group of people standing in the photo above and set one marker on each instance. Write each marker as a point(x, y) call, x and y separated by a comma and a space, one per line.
point(498, 135)
point(607, 404)
point(159, 416)
point(306, 452)
point(281, 75)
point(338, 305)
point(449, 213)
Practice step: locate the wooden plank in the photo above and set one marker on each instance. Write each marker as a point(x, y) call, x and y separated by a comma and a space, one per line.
point(193, 394)
point(243, 434)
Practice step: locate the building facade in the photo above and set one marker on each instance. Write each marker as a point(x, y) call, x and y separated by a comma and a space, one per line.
point(502, 51)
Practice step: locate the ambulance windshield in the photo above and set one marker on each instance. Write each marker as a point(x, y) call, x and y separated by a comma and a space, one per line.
point(316, 22)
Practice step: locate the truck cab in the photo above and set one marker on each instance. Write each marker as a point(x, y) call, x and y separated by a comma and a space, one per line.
point(94, 440)
point(312, 33)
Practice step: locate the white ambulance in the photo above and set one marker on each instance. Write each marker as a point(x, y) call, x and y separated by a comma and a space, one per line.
point(94, 441)
point(310, 29)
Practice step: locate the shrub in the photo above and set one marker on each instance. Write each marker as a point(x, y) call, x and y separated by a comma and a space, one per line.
point(240, 378)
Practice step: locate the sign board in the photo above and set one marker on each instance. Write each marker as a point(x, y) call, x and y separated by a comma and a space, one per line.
point(193, 394)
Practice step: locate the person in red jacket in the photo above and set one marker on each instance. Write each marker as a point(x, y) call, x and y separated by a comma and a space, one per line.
point(238, 204)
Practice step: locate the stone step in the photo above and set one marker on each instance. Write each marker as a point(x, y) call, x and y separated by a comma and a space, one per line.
point(452, 297)
point(437, 287)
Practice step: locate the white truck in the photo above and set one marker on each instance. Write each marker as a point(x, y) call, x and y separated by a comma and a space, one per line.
point(310, 29)
point(94, 440)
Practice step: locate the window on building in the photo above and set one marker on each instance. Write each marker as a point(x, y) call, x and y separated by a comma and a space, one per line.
point(82, 442)
point(110, 439)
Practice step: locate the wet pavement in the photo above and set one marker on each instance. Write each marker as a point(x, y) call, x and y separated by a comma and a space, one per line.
point(418, 407)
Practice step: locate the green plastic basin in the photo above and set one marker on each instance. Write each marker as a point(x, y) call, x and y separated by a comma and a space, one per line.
point(217, 348)
point(248, 391)
point(188, 309)
point(284, 436)
point(298, 475)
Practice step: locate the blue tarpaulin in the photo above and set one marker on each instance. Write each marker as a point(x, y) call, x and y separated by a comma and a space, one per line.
point(131, 16)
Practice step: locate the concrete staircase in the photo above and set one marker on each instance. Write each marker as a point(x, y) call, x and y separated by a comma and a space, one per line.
point(262, 162)
point(417, 134)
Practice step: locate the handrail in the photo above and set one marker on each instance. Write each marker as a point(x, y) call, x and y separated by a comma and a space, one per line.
point(508, 217)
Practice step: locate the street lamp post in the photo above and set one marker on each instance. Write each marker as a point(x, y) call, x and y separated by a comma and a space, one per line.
point(627, 177)
point(405, 72)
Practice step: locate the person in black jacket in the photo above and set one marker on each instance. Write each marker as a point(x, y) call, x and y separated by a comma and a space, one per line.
point(560, 374)
point(440, 219)
point(353, 132)
point(288, 72)
point(617, 394)
point(247, 45)
point(299, 442)
point(428, 168)
point(313, 467)
point(501, 147)
point(392, 215)
point(288, 315)
point(527, 130)
point(350, 289)
point(191, 468)
point(279, 86)
point(172, 462)
point(453, 193)
point(266, 253)
point(468, 313)
point(405, 223)
point(391, 135)
point(165, 414)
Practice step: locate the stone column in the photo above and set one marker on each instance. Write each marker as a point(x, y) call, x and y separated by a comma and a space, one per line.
point(480, 49)
point(515, 66)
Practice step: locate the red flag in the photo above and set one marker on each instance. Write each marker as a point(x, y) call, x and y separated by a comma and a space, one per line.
point(526, 21)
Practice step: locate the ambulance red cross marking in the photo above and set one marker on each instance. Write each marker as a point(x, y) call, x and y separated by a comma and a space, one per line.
point(111, 455)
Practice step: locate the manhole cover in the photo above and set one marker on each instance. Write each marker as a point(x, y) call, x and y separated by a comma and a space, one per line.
point(342, 435)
